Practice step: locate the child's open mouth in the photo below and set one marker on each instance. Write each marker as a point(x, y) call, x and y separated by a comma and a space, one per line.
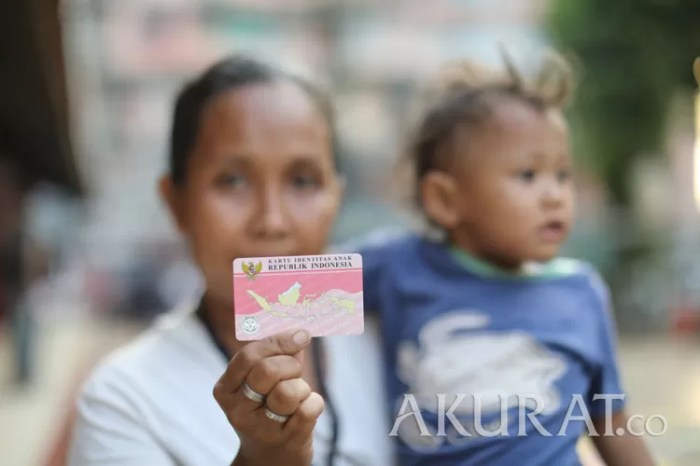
point(553, 231)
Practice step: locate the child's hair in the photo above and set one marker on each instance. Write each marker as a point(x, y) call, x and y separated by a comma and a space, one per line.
point(230, 73)
point(462, 97)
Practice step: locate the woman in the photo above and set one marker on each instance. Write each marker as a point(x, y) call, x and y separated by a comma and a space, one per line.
point(252, 173)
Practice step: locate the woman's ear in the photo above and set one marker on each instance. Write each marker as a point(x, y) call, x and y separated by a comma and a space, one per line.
point(170, 194)
point(438, 191)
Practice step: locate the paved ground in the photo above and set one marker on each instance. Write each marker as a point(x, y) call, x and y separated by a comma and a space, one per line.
point(33, 419)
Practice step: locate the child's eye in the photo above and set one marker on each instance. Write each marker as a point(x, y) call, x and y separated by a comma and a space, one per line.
point(527, 175)
point(564, 175)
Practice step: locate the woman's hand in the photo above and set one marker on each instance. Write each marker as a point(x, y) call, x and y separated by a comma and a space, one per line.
point(272, 409)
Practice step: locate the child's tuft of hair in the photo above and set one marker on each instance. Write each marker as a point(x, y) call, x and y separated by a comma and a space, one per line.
point(462, 96)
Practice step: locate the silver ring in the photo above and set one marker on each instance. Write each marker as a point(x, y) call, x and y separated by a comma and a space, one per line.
point(274, 416)
point(251, 394)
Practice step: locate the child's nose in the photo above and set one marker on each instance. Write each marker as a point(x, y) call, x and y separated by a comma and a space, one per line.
point(553, 194)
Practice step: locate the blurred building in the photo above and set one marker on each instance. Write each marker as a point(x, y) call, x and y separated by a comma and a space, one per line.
point(127, 59)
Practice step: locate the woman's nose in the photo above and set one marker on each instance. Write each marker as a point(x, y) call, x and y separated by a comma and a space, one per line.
point(272, 218)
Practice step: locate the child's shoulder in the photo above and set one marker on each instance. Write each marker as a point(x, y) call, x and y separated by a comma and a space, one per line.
point(588, 278)
point(381, 241)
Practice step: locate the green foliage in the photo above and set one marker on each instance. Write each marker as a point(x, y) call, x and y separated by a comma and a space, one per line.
point(632, 57)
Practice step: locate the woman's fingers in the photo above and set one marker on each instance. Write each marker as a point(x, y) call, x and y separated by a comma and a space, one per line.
point(270, 371)
point(287, 396)
point(270, 406)
point(286, 343)
point(301, 424)
point(262, 379)
point(253, 374)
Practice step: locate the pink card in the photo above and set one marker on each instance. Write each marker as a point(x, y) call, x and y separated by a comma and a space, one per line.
point(322, 294)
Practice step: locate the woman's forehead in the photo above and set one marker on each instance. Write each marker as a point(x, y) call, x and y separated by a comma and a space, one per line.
point(272, 105)
point(273, 118)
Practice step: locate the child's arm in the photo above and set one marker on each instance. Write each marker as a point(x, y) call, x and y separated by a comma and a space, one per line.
point(625, 449)
point(620, 450)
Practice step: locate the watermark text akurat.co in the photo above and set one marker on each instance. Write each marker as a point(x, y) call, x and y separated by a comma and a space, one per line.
point(449, 422)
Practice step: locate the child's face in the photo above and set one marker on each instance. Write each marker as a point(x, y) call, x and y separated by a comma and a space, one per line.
point(514, 197)
point(260, 181)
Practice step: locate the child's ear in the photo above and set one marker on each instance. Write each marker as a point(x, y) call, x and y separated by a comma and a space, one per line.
point(170, 195)
point(438, 192)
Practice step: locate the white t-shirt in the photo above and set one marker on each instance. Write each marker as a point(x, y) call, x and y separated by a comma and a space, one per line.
point(151, 403)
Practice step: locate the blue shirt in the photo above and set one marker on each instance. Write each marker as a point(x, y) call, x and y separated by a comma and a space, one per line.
point(471, 344)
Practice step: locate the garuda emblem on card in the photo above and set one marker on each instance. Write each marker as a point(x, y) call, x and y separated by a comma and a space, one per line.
point(251, 269)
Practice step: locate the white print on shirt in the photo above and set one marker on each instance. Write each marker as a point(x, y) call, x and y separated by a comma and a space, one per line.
point(488, 366)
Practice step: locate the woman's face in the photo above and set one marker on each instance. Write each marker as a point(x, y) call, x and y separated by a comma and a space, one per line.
point(260, 181)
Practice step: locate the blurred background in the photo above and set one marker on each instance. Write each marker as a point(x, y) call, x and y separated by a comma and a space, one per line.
point(88, 256)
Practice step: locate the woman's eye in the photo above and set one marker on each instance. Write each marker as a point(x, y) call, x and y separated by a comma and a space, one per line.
point(305, 181)
point(232, 180)
point(527, 175)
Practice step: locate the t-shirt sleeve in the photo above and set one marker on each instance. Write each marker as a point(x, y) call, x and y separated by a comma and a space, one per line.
point(109, 429)
point(606, 388)
point(375, 249)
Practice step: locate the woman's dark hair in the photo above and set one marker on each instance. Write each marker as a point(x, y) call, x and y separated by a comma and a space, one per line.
point(230, 73)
